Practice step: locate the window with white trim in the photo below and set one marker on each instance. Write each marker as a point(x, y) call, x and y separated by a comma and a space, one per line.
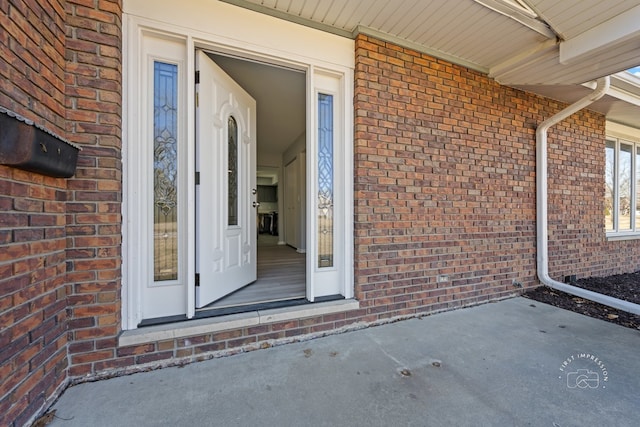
point(622, 187)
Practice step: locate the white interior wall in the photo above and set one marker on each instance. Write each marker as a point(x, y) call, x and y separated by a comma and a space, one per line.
point(296, 151)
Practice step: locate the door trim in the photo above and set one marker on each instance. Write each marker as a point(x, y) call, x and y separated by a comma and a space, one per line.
point(298, 47)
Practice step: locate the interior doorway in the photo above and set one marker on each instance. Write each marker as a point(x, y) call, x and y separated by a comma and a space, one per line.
point(281, 136)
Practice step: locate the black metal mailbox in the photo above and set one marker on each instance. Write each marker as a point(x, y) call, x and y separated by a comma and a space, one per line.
point(27, 146)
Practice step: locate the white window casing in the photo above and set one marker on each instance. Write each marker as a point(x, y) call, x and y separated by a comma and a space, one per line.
point(623, 138)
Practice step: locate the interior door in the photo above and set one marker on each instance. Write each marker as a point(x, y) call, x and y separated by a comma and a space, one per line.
point(291, 202)
point(226, 213)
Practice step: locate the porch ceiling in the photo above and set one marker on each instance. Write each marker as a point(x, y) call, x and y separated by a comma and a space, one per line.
point(530, 44)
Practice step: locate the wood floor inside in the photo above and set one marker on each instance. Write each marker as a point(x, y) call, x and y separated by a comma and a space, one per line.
point(281, 277)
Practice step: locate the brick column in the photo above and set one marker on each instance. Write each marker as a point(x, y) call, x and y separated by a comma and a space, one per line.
point(33, 299)
point(94, 94)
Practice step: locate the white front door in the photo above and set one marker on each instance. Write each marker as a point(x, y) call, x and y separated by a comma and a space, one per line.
point(226, 225)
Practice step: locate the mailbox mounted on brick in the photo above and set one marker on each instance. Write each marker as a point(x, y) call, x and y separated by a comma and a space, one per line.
point(25, 145)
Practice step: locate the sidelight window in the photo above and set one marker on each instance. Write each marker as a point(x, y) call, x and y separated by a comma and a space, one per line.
point(325, 180)
point(165, 172)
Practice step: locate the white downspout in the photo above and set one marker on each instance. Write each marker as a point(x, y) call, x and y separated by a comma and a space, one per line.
point(541, 199)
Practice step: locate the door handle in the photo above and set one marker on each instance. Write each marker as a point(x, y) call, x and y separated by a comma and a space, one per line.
point(256, 204)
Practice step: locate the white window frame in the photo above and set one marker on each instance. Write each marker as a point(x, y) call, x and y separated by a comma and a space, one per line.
point(620, 134)
point(261, 38)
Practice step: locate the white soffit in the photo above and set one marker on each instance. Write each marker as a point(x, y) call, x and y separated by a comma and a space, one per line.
point(596, 37)
point(621, 33)
point(519, 43)
point(621, 104)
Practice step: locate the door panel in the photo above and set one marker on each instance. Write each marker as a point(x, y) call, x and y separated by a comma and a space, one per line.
point(291, 202)
point(226, 233)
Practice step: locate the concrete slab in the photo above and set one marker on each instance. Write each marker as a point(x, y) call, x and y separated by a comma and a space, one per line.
point(517, 362)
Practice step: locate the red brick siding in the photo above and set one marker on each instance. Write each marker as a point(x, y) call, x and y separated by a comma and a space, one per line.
point(577, 240)
point(444, 182)
point(33, 296)
point(444, 186)
point(32, 61)
point(93, 99)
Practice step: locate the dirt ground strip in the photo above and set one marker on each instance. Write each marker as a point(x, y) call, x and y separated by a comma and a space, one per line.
point(622, 286)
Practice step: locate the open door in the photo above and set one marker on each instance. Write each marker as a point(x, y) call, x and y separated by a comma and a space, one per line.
point(226, 200)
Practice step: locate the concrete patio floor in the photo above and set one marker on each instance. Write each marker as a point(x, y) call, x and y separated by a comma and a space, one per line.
point(512, 363)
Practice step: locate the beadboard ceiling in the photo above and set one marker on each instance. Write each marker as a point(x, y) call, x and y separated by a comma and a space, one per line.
point(550, 47)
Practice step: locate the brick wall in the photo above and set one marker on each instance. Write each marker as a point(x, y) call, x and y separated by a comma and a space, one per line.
point(33, 357)
point(577, 241)
point(444, 203)
point(60, 66)
point(445, 182)
point(445, 185)
point(93, 96)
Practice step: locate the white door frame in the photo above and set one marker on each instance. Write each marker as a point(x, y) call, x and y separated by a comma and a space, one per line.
point(328, 62)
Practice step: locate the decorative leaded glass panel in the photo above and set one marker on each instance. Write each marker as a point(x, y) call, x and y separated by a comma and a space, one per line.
point(165, 173)
point(325, 180)
point(232, 129)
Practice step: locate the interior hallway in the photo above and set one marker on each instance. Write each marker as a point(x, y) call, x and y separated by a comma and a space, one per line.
point(281, 276)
